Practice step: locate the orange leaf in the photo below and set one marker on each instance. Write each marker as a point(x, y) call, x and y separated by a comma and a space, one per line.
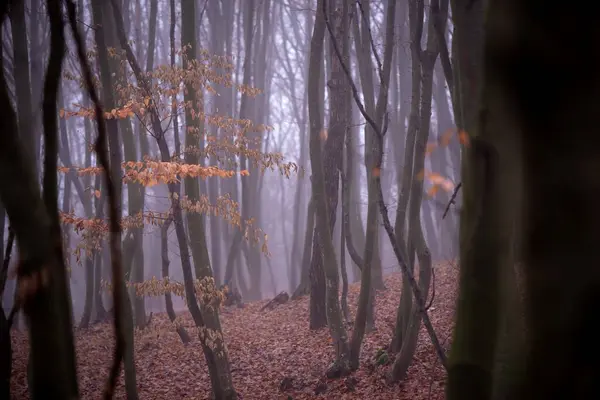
point(433, 190)
point(435, 178)
point(445, 139)
point(463, 138)
point(430, 147)
point(97, 194)
point(323, 134)
point(376, 172)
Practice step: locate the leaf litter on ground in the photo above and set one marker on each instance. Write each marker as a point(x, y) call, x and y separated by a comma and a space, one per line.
point(273, 353)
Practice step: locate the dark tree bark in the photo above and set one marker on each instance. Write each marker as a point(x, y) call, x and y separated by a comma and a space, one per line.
point(101, 16)
point(164, 254)
point(557, 127)
point(43, 288)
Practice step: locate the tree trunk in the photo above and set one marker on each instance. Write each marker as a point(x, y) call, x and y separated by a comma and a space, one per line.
point(334, 316)
point(416, 237)
point(556, 128)
point(164, 252)
point(21, 75)
point(101, 16)
point(405, 306)
point(207, 317)
point(304, 286)
point(373, 160)
point(37, 230)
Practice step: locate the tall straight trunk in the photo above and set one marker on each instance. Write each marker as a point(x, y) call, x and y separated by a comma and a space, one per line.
point(446, 164)
point(35, 220)
point(416, 239)
point(99, 258)
point(217, 48)
point(205, 317)
point(260, 114)
point(22, 78)
point(484, 241)
point(140, 195)
point(101, 16)
point(362, 38)
point(229, 186)
point(5, 339)
point(357, 227)
point(216, 353)
point(173, 51)
point(80, 184)
point(332, 157)
point(132, 252)
point(323, 230)
point(373, 165)
point(509, 362)
point(36, 56)
point(297, 271)
point(255, 111)
point(406, 296)
point(245, 113)
point(164, 255)
point(304, 284)
point(151, 34)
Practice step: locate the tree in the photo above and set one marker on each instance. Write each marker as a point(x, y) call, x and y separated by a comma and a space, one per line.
point(43, 290)
point(101, 17)
point(323, 228)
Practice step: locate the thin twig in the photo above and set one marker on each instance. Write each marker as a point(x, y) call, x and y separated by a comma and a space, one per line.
point(452, 199)
point(115, 228)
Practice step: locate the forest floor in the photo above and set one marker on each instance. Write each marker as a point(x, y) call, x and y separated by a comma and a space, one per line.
point(265, 348)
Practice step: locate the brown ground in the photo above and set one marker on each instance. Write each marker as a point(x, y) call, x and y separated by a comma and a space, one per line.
point(264, 347)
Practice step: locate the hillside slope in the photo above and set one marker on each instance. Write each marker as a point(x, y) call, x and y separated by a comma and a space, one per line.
point(266, 348)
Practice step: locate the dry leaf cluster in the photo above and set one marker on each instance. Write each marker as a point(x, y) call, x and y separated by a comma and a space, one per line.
point(273, 354)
